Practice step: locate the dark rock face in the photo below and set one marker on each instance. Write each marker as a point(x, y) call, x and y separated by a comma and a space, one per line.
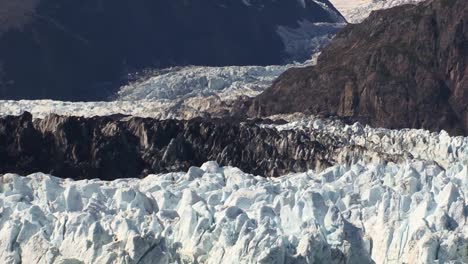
point(112, 147)
point(82, 50)
point(404, 67)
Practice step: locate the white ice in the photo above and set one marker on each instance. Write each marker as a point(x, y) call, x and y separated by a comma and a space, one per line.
point(395, 213)
point(182, 93)
point(411, 212)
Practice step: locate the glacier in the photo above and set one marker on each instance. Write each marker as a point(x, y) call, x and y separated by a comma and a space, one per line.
point(413, 211)
point(409, 213)
point(419, 144)
point(177, 82)
point(173, 93)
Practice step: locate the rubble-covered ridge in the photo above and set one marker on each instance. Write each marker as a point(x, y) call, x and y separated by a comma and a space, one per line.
point(124, 147)
point(396, 213)
point(120, 147)
point(419, 144)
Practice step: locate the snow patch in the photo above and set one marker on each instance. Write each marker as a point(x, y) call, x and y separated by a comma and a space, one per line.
point(355, 11)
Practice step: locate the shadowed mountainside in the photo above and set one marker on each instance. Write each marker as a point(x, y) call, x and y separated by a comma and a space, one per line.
point(404, 67)
point(83, 50)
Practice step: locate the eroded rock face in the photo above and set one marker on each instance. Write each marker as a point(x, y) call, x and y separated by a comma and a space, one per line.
point(83, 50)
point(402, 67)
point(115, 147)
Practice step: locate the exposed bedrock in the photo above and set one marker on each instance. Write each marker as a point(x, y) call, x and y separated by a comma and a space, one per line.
point(404, 67)
point(120, 147)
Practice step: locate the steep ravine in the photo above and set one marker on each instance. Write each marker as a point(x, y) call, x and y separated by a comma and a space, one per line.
point(121, 147)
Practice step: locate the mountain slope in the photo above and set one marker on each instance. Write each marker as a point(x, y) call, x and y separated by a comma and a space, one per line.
point(84, 49)
point(355, 11)
point(402, 67)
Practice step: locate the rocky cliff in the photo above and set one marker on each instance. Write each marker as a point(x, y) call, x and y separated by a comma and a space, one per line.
point(401, 67)
point(120, 147)
point(83, 50)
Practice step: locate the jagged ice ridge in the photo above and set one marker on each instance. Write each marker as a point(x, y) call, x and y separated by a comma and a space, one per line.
point(413, 212)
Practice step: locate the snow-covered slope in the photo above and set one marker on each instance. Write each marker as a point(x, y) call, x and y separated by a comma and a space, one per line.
point(409, 213)
point(347, 6)
point(357, 10)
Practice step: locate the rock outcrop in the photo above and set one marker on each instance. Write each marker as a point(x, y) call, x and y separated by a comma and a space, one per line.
point(118, 147)
point(75, 50)
point(404, 67)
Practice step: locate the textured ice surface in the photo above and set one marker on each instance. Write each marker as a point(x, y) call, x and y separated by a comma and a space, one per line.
point(173, 93)
point(195, 81)
point(356, 11)
point(411, 212)
point(407, 213)
point(419, 144)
